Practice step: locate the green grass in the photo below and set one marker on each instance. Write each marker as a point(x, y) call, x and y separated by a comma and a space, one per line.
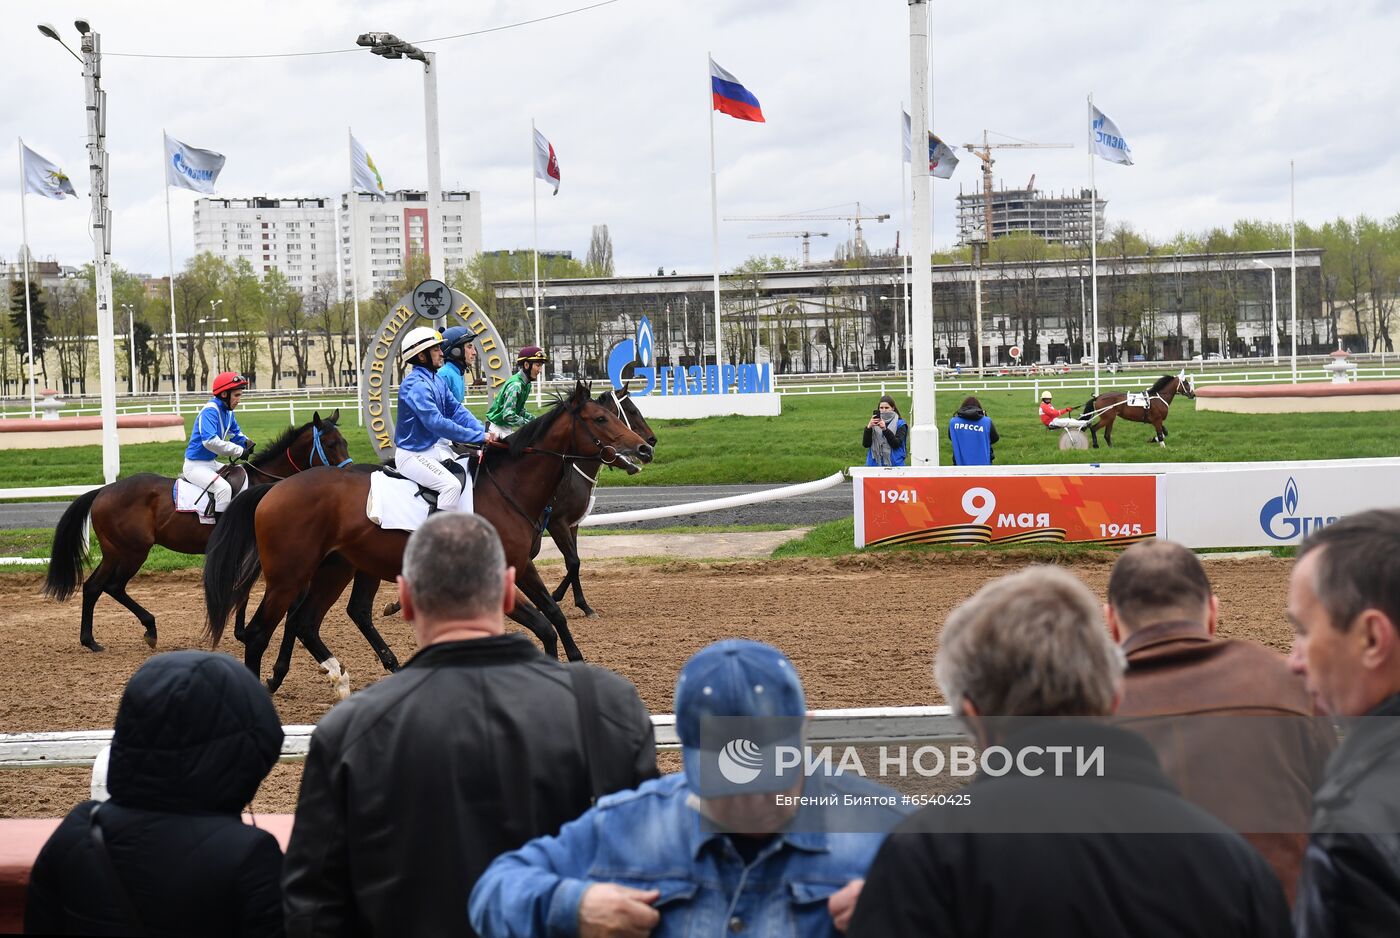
point(819, 434)
point(36, 542)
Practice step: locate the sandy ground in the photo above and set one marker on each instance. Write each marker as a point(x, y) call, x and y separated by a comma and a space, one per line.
point(862, 631)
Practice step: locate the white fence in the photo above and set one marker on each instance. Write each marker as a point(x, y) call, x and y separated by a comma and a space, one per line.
point(301, 401)
point(861, 725)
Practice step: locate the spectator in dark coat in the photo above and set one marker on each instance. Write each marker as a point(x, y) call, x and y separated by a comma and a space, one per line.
point(481, 743)
point(972, 434)
point(1232, 725)
point(169, 854)
point(886, 436)
point(1041, 850)
point(1344, 600)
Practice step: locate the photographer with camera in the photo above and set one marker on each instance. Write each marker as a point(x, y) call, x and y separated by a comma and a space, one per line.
point(886, 436)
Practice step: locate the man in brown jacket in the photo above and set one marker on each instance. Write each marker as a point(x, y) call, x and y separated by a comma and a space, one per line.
point(1237, 733)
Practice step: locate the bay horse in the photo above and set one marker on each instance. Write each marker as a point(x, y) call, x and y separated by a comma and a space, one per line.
point(132, 515)
point(285, 532)
point(571, 500)
point(1114, 406)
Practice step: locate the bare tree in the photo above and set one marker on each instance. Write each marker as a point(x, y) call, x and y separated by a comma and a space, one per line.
point(599, 262)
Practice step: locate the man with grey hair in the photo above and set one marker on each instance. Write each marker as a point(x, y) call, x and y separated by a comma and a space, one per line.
point(480, 743)
point(1071, 828)
point(1344, 602)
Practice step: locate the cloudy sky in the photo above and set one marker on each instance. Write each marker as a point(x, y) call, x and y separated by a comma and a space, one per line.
point(1214, 97)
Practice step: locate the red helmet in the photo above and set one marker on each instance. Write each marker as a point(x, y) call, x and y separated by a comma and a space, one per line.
point(228, 381)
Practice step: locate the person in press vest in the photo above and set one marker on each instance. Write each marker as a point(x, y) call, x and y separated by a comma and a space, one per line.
point(973, 434)
point(886, 437)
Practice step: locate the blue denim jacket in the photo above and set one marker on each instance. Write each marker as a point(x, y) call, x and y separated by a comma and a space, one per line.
point(651, 838)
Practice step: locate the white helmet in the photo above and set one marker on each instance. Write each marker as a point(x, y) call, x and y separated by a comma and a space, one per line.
point(418, 340)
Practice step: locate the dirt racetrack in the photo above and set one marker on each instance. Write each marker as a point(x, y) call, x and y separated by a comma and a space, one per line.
point(861, 630)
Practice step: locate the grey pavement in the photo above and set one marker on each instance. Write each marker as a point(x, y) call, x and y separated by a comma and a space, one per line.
point(804, 511)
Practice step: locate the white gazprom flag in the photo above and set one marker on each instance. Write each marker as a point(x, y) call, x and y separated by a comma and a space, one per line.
point(546, 163)
point(44, 178)
point(191, 168)
point(1108, 142)
point(363, 173)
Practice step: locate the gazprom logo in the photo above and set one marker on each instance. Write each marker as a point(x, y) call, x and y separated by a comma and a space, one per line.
point(666, 380)
point(1280, 519)
point(183, 167)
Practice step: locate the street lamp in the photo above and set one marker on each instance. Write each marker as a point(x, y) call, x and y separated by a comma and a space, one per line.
point(131, 340)
point(1273, 293)
point(392, 47)
point(95, 100)
point(213, 308)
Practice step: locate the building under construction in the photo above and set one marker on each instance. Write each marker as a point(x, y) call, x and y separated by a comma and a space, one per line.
point(1062, 219)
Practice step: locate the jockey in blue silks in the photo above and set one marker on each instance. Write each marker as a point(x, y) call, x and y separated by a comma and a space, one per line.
point(430, 418)
point(216, 433)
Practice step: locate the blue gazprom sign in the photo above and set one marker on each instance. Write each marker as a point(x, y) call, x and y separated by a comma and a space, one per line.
point(746, 378)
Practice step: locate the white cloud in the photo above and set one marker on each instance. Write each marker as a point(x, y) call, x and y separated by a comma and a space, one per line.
point(1214, 98)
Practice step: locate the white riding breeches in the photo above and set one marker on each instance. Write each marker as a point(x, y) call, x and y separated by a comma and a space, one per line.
point(1060, 422)
point(425, 469)
point(205, 473)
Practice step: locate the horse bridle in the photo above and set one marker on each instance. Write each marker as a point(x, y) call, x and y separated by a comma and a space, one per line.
point(317, 449)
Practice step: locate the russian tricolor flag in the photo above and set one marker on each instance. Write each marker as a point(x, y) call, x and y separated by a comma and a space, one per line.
point(732, 98)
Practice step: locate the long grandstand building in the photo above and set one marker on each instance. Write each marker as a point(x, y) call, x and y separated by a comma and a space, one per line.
point(1169, 306)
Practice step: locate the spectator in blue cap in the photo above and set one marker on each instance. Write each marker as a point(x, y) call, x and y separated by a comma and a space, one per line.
point(724, 846)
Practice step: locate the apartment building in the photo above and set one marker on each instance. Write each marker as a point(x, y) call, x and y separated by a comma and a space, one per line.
point(387, 232)
point(293, 235)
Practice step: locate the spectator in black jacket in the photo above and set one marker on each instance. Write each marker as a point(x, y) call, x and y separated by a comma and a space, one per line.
point(1344, 600)
point(1041, 850)
point(169, 854)
point(415, 784)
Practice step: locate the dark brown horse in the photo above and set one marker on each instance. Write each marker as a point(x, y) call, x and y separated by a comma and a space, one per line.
point(575, 492)
point(285, 532)
point(132, 515)
point(1104, 409)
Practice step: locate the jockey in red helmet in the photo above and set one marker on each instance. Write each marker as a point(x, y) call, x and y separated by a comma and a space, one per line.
point(216, 433)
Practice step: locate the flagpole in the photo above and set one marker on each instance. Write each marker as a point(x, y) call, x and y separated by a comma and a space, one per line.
point(350, 205)
point(1093, 241)
point(170, 250)
point(1293, 270)
point(535, 224)
point(24, 234)
point(714, 227)
point(903, 260)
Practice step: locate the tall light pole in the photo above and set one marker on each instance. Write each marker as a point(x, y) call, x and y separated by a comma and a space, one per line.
point(131, 340)
point(392, 47)
point(213, 307)
point(101, 221)
point(924, 435)
point(1273, 296)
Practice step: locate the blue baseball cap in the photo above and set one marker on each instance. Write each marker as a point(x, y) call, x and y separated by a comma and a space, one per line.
point(736, 701)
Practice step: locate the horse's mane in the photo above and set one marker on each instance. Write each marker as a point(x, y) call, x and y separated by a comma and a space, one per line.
point(285, 441)
point(1161, 383)
point(529, 434)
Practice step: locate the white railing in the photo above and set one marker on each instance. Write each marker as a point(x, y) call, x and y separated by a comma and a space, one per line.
point(860, 725)
point(301, 401)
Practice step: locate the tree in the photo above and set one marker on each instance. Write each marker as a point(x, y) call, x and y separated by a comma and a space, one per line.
point(73, 322)
point(195, 286)
point(39, 322)
point(286, 327)
point(243, 307)
point(334, 320)
point(600, 253)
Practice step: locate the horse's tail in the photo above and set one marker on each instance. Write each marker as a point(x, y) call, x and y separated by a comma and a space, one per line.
point(69, 555)
point(231, 562)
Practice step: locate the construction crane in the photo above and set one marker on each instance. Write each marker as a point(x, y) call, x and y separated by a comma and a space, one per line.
point(806, 237)
point(858, 216)
point(984, 153)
